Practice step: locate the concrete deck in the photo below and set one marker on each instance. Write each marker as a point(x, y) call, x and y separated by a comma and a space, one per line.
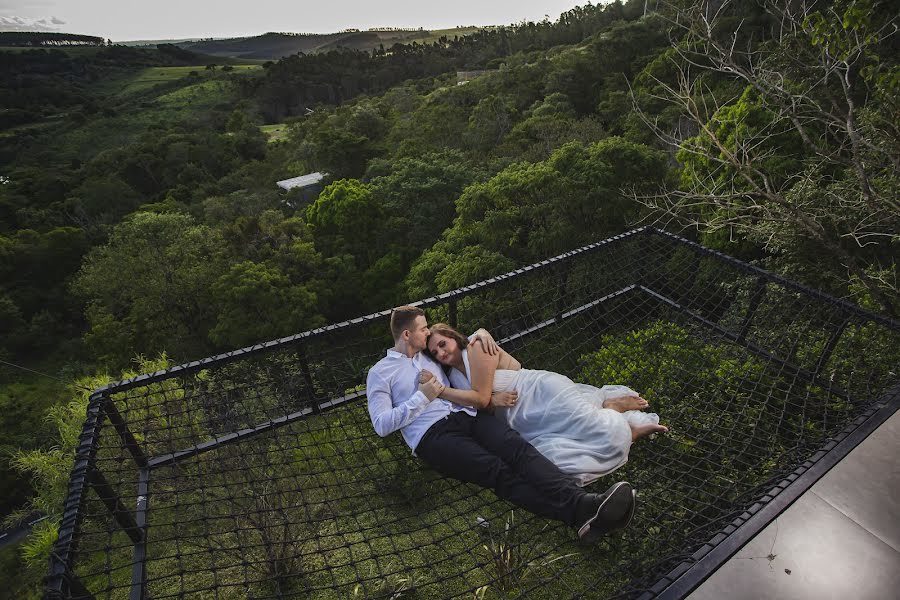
point(841, 539)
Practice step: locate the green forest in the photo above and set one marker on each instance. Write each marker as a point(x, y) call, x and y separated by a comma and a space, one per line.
point(140, 223)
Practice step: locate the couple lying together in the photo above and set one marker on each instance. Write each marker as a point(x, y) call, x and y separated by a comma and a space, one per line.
point(545, 437)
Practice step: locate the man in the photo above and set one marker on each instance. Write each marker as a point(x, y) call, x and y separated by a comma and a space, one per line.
point(463, 443)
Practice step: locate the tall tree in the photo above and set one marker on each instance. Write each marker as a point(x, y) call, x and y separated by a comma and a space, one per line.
point(804, 158)
point(149, 288)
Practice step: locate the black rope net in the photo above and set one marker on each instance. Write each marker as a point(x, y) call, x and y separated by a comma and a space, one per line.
point(257, 474)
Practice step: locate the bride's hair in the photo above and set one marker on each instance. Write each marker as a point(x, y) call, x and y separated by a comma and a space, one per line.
point(446, 331)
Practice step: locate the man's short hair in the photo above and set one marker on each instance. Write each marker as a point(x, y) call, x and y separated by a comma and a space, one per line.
point(403, 318)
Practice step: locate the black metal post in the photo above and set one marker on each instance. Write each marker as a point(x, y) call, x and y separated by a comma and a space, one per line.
point(755, 299)
point(76, 589)
point(643, 244)
point(61, 581)
point(121, 514)
point(832, 342)
point(561, 291)
point(127, 437)
point(307, 378)
point(139, 568)
point(452, 317)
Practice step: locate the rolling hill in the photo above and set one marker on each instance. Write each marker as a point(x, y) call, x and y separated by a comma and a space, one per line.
point(272, 46)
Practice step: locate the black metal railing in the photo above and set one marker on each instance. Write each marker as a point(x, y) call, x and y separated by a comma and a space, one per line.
point(256, 473)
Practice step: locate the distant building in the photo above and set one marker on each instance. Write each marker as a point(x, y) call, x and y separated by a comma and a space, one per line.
point(303, 181)
point(309, 186)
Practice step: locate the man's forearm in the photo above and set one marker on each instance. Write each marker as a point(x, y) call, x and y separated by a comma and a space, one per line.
point(387, 418)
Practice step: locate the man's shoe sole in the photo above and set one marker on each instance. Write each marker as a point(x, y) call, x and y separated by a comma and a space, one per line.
point(616, 494)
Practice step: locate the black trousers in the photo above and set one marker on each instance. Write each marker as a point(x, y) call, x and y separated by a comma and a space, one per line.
point(486, 451)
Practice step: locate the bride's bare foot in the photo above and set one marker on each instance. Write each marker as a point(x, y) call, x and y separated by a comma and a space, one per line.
point(626, 403)
point(639, 431)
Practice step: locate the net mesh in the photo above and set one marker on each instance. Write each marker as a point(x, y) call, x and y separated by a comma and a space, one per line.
point(257, 474)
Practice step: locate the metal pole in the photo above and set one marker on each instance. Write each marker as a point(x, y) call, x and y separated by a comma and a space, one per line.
point(127, 437)
point(61, 581)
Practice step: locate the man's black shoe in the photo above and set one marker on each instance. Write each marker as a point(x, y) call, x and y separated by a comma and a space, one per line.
point(599, 514)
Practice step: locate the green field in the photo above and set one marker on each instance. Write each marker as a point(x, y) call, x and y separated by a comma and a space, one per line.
point(141, 108)
point(275, 133)
point(153, 76)
point(434, 35)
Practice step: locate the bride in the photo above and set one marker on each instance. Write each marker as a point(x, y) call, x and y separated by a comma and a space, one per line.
point(586, 431)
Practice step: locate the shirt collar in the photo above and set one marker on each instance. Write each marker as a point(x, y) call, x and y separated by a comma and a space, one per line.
point(394, 354)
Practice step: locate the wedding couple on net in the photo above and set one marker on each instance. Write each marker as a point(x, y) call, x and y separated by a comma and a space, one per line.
point(471, 412)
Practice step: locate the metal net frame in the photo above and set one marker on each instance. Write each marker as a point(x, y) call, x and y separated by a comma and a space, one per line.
point(256, 473)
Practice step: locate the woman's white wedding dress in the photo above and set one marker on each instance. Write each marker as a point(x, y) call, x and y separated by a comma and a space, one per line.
point(565, 420)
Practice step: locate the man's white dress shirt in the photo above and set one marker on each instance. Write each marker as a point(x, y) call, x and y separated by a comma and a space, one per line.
point(395, 401)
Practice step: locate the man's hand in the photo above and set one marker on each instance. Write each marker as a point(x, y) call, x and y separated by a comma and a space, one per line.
point(429, 385)
point(487, 342)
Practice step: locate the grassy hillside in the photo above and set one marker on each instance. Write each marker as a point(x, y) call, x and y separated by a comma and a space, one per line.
point(278, 45)
point(150, 77)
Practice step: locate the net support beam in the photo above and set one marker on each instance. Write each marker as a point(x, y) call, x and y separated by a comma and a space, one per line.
point(128, 438)
point(139, 569)
point(832, 343)
point(114, 505)
point(759, 292)
point(62, 582)
point(787, 365)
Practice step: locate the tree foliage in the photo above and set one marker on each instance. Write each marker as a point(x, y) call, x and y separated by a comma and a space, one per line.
point(803, 159)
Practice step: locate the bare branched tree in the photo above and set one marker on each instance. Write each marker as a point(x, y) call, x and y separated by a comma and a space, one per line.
point(807, 151)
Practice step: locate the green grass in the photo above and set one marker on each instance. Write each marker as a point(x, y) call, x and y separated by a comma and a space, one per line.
point(434, 35)
point(275, 133)
point(136, 113)
point(150, 77)
point(206, 92)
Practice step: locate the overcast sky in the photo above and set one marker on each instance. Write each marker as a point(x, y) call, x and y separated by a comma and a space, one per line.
point(122, 20)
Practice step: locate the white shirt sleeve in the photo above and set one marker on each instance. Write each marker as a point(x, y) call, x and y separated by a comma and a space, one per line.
point(387, 418)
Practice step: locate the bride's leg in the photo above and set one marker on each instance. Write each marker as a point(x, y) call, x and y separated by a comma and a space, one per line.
point(626, 403)
point(639, 431)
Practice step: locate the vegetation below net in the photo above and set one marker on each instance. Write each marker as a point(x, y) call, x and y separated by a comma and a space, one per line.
point(257, 473)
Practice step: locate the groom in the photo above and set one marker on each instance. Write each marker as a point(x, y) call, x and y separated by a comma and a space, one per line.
point(474, 446)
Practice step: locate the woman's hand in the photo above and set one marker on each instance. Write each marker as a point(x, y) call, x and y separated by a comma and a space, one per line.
point(504, 399)
point(487, 342)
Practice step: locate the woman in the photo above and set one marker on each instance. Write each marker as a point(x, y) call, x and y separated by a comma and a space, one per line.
point(585, 431)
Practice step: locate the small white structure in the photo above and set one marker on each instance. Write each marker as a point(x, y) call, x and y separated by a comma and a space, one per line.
point(303, 181)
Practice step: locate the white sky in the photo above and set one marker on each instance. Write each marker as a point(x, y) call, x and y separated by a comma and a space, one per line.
point(122, 20)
